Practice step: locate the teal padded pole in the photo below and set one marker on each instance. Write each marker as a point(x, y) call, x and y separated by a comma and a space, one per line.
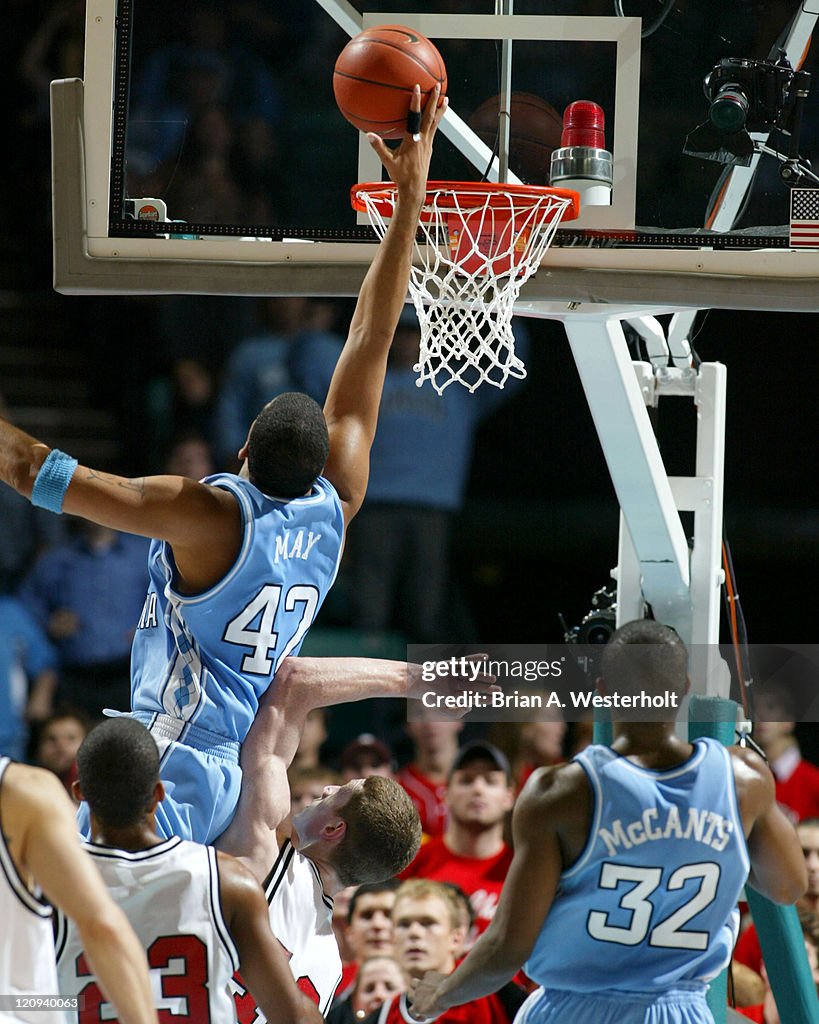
point(783, 950)
point(715, 718)
point(603, 731)
point(780, 934)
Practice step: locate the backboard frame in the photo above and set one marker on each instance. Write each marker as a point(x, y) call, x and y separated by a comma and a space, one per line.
point(776, 279)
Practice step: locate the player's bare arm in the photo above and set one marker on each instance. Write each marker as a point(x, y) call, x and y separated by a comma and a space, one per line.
point(549, 825)
point(257, 827)
point(777, 863)
point(307, 683)
point(263, 964)
point(351, 408)
point(44, 845)
point(201, 523)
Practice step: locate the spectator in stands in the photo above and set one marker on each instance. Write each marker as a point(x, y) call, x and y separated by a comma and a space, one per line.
point(398, 558)
point(180, 403)
point(379, 980)
point(365, 756)
point(58, 740)
point(190, 455)
point(368, 932)
point(307, 784)
point(748, 951)
point(425, 777)
point(27, 531)
point(429, 933)
point(88, 594)
point(28, 677)
point(261, 366)
point(472, 851)
point(797, 780)
point(767, 1012)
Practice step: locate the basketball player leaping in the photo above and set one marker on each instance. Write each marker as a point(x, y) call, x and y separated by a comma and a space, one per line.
point(241, 563)
point(621, 898)
point(41, 859)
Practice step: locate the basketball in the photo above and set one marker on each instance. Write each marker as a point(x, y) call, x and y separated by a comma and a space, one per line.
point(534, 132)
point(376, 73)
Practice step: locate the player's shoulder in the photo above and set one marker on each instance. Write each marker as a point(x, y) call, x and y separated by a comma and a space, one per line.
point(746, 762)
point(753, 778)
point(34, 796)
point(34, 785)
point(556, 789)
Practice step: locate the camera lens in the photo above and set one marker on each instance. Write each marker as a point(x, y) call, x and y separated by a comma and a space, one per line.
point(729, 109)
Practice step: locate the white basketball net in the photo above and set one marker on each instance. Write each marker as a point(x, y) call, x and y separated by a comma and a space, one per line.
point(477, 251)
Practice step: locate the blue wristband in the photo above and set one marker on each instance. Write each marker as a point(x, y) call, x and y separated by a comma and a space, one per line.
point(53, 480)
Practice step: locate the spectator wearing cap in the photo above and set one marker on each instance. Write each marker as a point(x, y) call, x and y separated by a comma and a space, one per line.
point(366, 756)
point(472, 851)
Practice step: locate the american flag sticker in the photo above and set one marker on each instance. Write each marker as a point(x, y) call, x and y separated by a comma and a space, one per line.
point(804, 223)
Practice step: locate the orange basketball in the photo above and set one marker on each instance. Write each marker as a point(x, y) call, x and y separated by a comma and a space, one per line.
point(376, 72)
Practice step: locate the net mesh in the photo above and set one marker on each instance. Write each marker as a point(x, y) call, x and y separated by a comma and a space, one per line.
point(475, 251)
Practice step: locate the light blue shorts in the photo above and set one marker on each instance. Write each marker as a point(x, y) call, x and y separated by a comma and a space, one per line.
point(202, 780)
point(676, 1006)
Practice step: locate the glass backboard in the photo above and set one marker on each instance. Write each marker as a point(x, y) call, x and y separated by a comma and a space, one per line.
point(211, 133)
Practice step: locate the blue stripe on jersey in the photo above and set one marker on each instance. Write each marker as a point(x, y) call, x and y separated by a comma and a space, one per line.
point(208, 658)
point(651, 901)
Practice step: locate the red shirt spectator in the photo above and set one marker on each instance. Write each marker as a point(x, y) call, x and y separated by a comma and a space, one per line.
point(481, 878)
point(428, 796)
point(425, 778)
point(472, 852)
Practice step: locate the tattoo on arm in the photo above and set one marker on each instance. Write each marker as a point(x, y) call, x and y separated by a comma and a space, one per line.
point(137, 484)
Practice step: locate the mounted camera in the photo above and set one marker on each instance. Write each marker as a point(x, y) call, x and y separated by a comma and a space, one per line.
point(748, 96)
point(595, 629)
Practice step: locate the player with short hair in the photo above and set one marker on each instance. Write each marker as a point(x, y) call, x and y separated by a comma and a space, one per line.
point(240, 564)
point(621, 898)
point(365, 830)
point(42, 864)
point(200, 915)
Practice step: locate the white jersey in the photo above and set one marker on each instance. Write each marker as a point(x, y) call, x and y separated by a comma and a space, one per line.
point(27, 966)
point(301, 917)
point(170, 894)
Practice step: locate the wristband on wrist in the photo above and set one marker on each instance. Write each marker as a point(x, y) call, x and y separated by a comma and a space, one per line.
point(52, 481)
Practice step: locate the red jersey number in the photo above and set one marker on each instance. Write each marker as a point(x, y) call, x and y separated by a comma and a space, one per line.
point(186, 956)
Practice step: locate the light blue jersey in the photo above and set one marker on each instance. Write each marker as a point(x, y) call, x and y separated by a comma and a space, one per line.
point(650, 905)
point(200, 664)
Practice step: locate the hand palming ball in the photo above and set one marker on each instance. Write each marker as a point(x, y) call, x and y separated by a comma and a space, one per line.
point(376, 73)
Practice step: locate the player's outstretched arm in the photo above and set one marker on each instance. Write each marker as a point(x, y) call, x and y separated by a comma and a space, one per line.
point(306, 683)
point(187, 514)
point(540, 812)
point(51, 852)
point(777, 863)
point(301, 685)
point(263, 964)
point(351, 407)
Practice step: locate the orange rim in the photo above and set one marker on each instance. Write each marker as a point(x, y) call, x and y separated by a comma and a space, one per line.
point(465, 195)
